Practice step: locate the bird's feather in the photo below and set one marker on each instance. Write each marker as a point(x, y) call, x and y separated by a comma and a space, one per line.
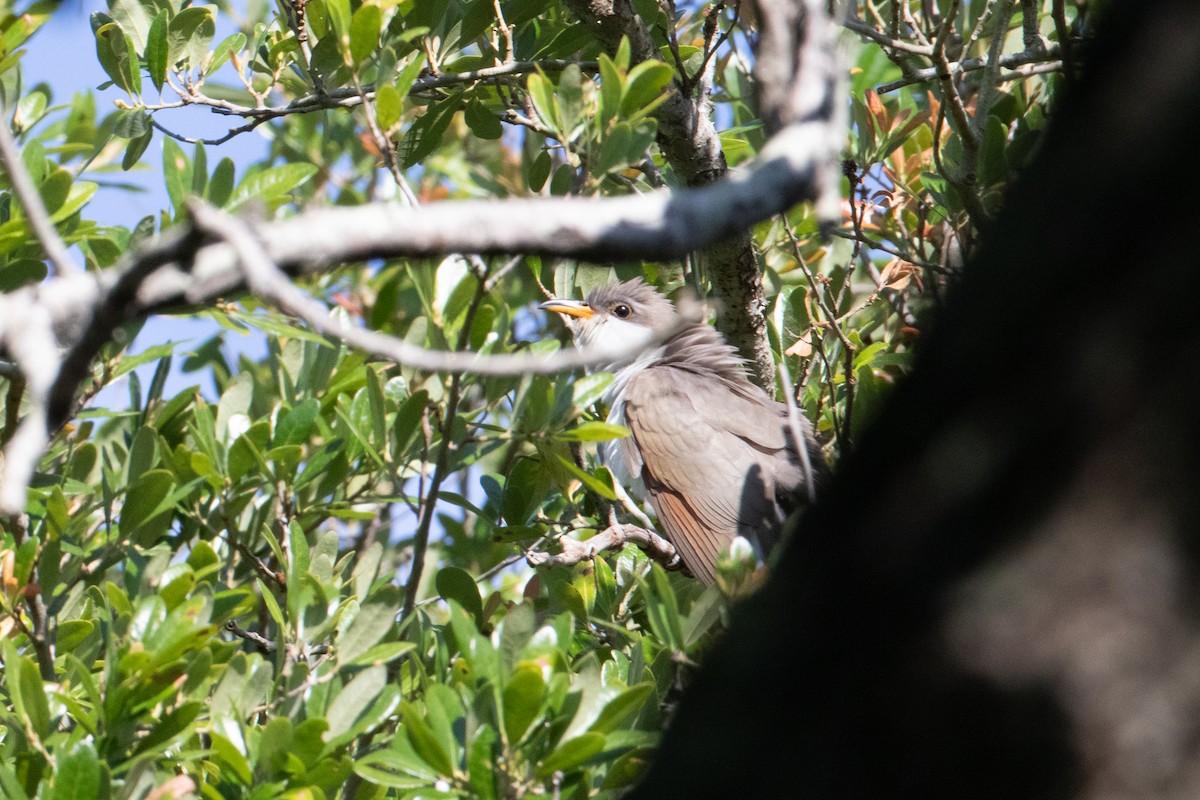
point(712, 456)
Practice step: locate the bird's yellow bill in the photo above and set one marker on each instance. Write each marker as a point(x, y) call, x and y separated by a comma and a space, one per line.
point(572, 308)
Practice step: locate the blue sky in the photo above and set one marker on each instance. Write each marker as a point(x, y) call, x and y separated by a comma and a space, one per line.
point(63, 55)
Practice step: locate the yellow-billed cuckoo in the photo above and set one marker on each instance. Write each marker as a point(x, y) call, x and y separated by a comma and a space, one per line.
point(716, 454)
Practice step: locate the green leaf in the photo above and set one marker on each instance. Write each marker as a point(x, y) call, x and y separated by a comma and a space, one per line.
point(380, 654)
point(397, 765)
point(354, 700)
point(145, 514)
point(189, 35)
point(593, 432)
point(232, 756)
point(274, 743)
point(571, 754)
point(233, 43)
point(482, 122)
point(220, 186)
point(426, 133)
point(515, 631)
point(131, 123)
point(388, 106)
point(134, 17)
point(481, 766)
point(563, 180)
point(271, 184)
point(628, 769)
point(643, 89)
point(408, 75)
point(55, 188)
point(622, 707)
point(174, 724)
point(177, 172)
point(662, 610)
point(539, 171)
point(364, 32)
point(458, 585)
point(199, 170)
point(72, 632)
point(600, 483)
point(541, 92)
point(143, 452)
point(590, 388)
point(21, 272)
point(614, 151)
point(81, 192)
point(522, 700)
point(157, 50)
point(378, 409)
point(338, 12)
point(27, 692)
point(297, 425)
point(135, 149)
point(374, 619)
point(569, 98)
point(424, 742)
point(78, 774)
point(118, 57)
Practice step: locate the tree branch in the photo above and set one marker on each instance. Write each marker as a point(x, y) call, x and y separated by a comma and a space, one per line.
point(188, 269)
point(1010, 62)
point(614, 537)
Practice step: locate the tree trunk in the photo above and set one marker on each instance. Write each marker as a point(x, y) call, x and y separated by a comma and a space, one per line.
point(996, 595)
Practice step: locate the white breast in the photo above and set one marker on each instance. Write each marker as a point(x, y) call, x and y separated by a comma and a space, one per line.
point(621, 455)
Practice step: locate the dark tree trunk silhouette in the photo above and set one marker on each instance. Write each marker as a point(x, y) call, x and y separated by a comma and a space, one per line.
point(996, 597)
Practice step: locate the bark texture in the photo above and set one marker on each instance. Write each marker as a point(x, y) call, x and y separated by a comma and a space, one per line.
point(996, 597)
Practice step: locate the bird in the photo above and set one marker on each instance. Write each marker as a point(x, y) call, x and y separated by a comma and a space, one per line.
point(717, 456)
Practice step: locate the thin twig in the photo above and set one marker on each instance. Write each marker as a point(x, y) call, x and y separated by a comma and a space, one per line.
point(1010, 61)
point(881, 38)
point(991, 75)
point(614, 537)
point(425, 524)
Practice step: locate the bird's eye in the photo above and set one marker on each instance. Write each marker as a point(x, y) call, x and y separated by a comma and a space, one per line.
point(622, 311)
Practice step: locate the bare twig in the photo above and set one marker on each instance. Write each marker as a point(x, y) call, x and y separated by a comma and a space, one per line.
point(991, 73)
point(264, 644)
point(1010, 62)
point(612, 538)
point(949, 80)
point(881, 38)
point(351, 97)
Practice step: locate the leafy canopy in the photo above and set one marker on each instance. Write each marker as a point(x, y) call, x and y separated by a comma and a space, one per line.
point(203, 594)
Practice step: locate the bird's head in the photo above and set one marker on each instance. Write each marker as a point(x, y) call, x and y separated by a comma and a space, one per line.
point(616, 315)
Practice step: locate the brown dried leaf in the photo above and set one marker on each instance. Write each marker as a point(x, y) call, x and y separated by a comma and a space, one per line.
point(802, 347)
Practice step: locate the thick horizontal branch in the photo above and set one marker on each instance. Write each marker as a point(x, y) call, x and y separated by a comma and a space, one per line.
point(53, 331)
point(184, 270)
point(653, 226)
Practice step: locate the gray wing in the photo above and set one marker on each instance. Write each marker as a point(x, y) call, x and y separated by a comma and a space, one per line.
point(713, 460)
